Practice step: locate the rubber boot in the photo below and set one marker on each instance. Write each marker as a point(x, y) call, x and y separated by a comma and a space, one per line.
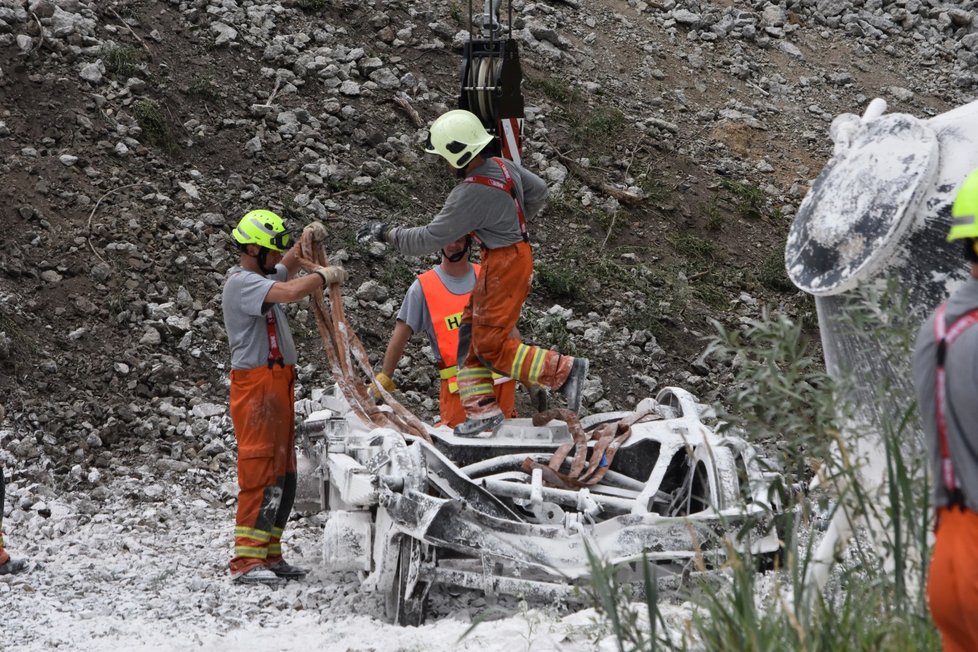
point(472, 426)
point(573, 387)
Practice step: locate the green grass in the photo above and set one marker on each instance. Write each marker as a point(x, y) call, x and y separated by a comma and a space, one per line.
point(692, 248)
point(748, 200)
point(786, 403)
point(598, 129)
point(154, 124)
point(657, 190)
point(204, 89)
point(772, 274)
point(121, 60)
point(455, 11)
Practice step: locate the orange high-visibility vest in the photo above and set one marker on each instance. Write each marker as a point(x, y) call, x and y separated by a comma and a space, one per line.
point(446, 317)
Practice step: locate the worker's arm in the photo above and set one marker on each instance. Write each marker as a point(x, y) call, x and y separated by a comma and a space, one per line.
point(395, 348)
point(534, 192)
point(302, 286)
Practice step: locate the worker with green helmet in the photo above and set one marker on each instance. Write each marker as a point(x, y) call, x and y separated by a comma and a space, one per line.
point(263, 359)
point(945, 376)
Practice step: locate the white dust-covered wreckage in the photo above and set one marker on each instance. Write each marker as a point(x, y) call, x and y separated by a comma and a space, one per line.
point(517, 511)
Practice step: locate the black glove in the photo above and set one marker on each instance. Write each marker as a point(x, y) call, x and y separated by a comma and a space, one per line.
point(374, 231)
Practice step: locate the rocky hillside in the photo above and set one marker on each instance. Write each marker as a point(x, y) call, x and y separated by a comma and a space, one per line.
point(134, 133)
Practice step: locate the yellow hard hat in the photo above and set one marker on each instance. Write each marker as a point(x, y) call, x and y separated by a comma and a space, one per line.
point(263, 228)
point(964, 211)
point(457, 136)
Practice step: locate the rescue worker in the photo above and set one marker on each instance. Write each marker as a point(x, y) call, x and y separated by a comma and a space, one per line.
point(944, 362)
point(492, 202)
point(263, 362)
point(434, 304)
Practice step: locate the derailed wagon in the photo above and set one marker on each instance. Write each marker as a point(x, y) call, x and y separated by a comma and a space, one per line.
point(517, 511)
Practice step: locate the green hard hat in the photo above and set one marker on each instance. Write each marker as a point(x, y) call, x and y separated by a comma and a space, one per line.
point(964, 211)
point(263, 228)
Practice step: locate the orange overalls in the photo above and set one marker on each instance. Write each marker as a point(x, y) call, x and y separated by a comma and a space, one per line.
point(263, 415)
point(446, 311)
point(952, 586)
point(491, 315)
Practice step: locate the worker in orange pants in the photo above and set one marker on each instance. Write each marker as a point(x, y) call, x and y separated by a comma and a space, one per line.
point(263, 359)
point(944, 359)
point(952, 588)
point(487, 328)
point(492, 202)
point(434, 304)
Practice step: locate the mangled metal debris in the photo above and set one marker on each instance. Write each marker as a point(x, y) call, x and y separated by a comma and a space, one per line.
point(514, 512)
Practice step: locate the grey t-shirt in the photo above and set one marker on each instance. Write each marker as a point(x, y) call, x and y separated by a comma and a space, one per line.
point(473, 207)
point(243, 302)
point(414, 311)
point(961, 414)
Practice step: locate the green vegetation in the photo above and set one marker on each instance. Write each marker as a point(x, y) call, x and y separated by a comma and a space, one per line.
point(312, 5)
point(154, 125)
point(396, 193)
point(691, 248)
point(121, 60)
point(788, 404)
point(656, 190)
point(455, 11)
point(772, 274)
point(748, 200)
point(596, 130)
point(204, 89)
point(714, 219)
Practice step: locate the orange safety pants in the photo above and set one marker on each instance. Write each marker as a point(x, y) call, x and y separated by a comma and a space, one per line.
point(952, 588)
point(486, 341)
point(263, 415)
point(452, 412)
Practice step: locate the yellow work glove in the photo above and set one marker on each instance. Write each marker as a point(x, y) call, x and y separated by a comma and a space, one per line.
point(384, 381)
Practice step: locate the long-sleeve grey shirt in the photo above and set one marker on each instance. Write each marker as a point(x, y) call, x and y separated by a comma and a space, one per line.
point(961, 410)
point(475, 208)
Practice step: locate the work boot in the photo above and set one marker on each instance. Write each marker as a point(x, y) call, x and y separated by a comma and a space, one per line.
point(472, 426)
point(12, 566)
point(573, 387)
point(287, 571)
point(258, 575)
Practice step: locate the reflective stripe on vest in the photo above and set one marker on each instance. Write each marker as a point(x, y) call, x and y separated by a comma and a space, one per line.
point(945, 337)
point(508, 186)
point(446, 318)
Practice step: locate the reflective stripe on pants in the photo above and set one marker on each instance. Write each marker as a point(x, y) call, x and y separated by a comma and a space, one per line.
point(486, 341)
point(263, 414)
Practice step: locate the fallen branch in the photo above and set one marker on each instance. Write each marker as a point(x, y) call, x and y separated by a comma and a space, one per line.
point(405, 105)
point(623, 196)
point(95, 208)
point(131, 31)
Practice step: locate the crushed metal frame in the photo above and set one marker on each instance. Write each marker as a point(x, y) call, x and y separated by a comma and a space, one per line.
point(407, 512)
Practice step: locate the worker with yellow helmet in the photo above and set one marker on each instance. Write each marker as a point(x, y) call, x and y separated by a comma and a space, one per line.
point(263, 359)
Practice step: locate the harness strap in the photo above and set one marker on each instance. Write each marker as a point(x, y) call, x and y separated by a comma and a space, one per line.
point(945, 337)
point(508, 186)
point(274, 354)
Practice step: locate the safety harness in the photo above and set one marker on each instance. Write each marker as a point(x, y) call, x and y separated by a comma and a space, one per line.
point(945, 337)
point(274, 354)
point(507, 186)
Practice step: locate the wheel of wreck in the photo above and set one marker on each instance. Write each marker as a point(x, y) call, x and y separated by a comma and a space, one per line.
point(408, 598)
